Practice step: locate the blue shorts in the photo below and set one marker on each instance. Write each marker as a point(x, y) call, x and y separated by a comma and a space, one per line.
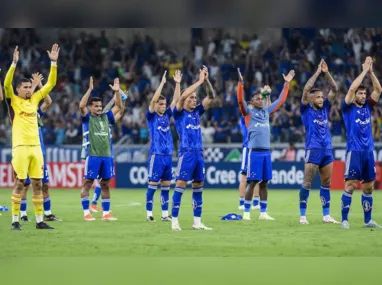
point(45, 178)
point(99, 167)
point(320, 157)
point(244, 161)
point(160, 167)
point(259, 165)
point(360, 165)
point(190, 166)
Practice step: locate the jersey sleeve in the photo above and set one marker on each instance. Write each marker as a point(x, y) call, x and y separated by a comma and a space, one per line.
point(52, 79)
point(40, 112)
point(8, 88)
point(345, 107)
point(304, 108)
point(169, 112)
point(149, 115)
point(110, 117)
point(85, 119)
point(177, 114)
point(200, 109)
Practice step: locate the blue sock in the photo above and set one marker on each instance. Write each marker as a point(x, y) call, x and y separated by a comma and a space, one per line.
point(176, 199)
point(23, 205)
point(197, 201)
point(150, 197)
point(367, 205)
point(164, 197)
point(247, 206)
point(256, 201)
point(85, 203)
point(106, 204)
point(263, 206)
point(346, 202)
point(241, 201)
point(325, 200)
point(304, 195)
point(97, 194)
point(47, 204)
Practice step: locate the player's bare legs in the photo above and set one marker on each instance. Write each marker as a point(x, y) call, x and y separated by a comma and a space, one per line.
point(326, 181)
point(87, 183)
point(242, 186)
point(310, 171)
point(17, 194)
point(256, 198)
point(105, 196)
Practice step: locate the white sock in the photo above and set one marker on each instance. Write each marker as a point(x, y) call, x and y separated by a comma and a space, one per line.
point(86, 212)
point(15, 218)
point(39, 218)
point(48, 213)
point(174, 220)
point(164, 214)
point(105, 213)
point(23, 213)
point(327, 216)
point(149, 213)
point(197, 220)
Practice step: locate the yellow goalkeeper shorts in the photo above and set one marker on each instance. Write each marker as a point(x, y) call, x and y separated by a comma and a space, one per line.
point(28, 160)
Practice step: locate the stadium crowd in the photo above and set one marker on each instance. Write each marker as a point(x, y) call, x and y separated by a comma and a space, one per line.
point(140, 63)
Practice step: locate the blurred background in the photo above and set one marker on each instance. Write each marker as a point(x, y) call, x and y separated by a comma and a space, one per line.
point(140, 56)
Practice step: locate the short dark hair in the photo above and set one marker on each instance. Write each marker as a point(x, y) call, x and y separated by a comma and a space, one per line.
point(257, 92)
point(161, 97)
point(314, 90)
point(361, 87)
point(21, 81)
point(94, 99)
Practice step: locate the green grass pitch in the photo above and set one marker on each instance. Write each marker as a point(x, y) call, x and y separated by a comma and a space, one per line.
point(131, 235)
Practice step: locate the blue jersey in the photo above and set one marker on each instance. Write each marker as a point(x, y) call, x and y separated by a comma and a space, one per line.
point(160, 132)
point(188, 127)
point(40, 114)
point(316, 123)
point(244, 131)
point(358, 126)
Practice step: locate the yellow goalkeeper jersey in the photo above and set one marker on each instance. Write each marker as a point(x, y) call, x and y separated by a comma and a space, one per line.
point(23, 112)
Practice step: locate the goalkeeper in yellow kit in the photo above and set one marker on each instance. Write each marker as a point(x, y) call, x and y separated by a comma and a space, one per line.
point(27, 156)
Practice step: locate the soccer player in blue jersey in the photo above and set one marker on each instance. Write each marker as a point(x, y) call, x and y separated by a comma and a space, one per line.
point(244, 120)
point(259, 143)
point(48, 215)
point(318, 144)
point(191, 161)
point(117, 117)
point(158, 118)
point(360, 164)
point(99, 163)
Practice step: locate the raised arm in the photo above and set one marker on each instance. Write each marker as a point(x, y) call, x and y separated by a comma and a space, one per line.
point(376, 85)
point(177, 78)
point(119, 115)
point(209, 90)
point(117, 95)
point(333, 93)
point(284, 93)
point(110, 105)
point(52, 78)
point(46, 104)
point(309, 85)
point(1, 93)
point(8, 89)
point(157, 93)
point(243, 107)
point(349, 98)
point(85, 98)
point(190, 90)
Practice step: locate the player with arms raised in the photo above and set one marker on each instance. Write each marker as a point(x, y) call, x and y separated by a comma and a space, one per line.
point(360, 164)
point(158, 118)
point(99, 162)
point(191, 161)
point(259, 143)
point(48, 215)
point(27, 156)
point(318, 144)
